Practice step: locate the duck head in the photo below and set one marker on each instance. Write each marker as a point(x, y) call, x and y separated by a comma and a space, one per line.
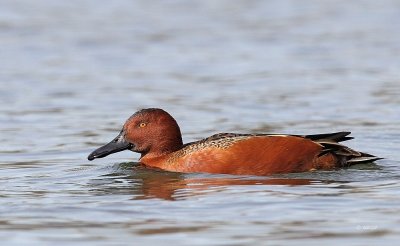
point(151, 132)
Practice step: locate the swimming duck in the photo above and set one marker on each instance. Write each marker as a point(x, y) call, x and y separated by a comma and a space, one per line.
point(155, 134)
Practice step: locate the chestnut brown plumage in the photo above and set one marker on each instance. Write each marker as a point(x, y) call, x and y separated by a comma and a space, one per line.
point(156, 136)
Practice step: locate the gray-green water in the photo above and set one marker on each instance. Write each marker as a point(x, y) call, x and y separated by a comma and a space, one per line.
point(71, 72)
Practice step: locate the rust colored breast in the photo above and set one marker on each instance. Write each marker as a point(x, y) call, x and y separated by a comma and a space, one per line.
point(244, 155)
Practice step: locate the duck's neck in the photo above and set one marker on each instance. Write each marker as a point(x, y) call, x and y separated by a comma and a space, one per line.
point(163, 147)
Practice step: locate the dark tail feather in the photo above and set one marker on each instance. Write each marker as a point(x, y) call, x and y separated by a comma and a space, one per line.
point(336, 136)
point(364, 158)
point(330, 143)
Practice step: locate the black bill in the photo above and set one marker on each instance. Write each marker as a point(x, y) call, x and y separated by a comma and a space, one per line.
point(116, 145)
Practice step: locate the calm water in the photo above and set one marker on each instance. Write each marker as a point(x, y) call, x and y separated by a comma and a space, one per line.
point(73, 71)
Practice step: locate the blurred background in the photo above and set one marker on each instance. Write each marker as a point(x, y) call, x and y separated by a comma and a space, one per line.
point(71, 73)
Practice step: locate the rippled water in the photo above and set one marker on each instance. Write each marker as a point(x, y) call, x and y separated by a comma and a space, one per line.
point(73, 71)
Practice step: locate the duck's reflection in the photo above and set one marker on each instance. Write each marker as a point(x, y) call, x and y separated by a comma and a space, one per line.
point(145, 183)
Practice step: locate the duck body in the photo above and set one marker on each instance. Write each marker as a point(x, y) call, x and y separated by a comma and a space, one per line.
point(156, 135)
